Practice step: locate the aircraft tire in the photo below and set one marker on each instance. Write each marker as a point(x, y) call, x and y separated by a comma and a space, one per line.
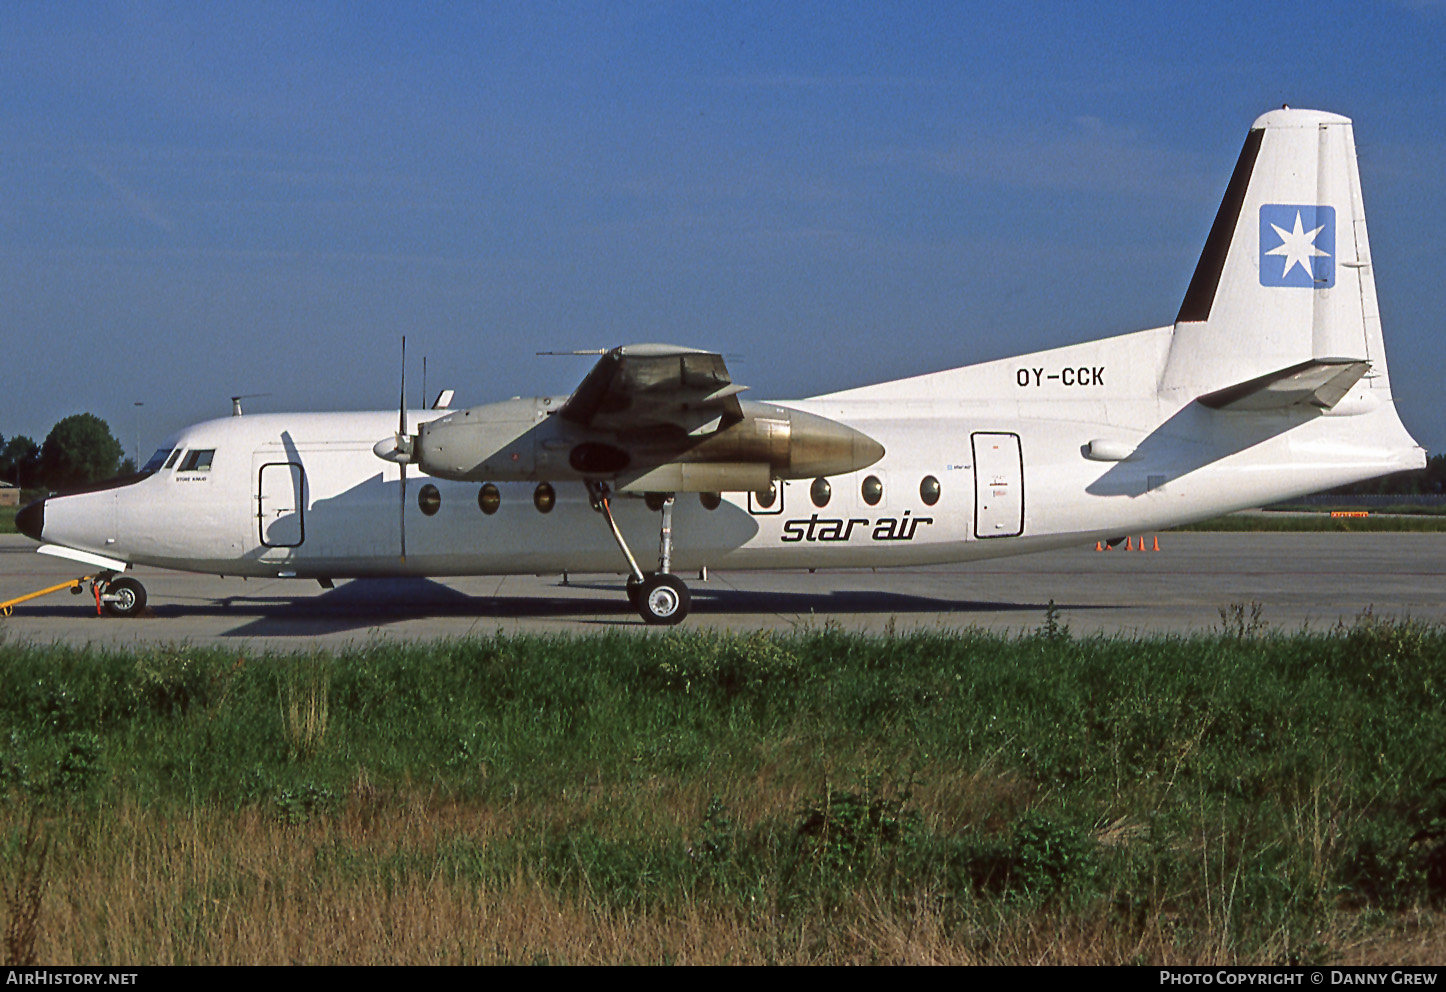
point(634, 588)
point(130, 597)
point(663, 600)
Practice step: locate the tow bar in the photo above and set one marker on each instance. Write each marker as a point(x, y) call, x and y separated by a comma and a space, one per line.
point(74, 585)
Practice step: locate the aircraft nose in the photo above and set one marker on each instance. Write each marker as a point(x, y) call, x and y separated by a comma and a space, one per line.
point(30, 521)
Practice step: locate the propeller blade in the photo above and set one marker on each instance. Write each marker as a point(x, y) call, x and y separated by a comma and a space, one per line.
point(402, 458)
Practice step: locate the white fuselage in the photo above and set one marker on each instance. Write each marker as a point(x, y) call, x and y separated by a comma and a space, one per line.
point(1015, 447)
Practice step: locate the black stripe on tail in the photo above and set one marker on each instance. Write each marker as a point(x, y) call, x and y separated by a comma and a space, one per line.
point(1201, 293)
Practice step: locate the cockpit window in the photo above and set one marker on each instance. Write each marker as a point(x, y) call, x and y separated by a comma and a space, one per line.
point(172, 460)
point(157, 460)
point(198, 460)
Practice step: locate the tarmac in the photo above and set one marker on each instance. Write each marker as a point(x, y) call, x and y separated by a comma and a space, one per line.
point(1196, 582)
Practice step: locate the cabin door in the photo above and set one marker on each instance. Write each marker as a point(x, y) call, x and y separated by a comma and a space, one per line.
point(280, 504)
point(998, 486)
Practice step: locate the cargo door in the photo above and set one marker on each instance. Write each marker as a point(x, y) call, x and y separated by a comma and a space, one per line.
point(998, 486)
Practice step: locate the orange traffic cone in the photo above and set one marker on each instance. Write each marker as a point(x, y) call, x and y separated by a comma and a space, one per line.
point(1157, 542)
point(1128, 545)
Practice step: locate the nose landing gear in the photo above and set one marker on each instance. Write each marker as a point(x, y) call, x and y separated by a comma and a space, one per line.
point(659, 597)
point(120, 597)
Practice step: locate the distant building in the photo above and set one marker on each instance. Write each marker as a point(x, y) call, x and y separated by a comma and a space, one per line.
point(9, 494)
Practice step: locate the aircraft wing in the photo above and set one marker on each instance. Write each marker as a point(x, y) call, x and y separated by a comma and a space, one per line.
point(647, 387)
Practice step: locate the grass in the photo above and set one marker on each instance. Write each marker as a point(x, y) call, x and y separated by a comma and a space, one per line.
point(7, 519)
point(706, 798)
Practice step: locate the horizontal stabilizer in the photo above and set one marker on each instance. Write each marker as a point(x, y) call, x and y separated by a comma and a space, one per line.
point(1320, 382)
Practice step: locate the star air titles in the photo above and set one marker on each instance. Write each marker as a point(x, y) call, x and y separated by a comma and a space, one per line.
point(838, 529)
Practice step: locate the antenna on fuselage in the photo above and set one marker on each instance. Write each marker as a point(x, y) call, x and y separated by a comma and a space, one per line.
point(236, 402)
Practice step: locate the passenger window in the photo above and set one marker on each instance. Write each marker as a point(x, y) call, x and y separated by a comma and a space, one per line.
point(766, 501)
point(820, 491)
point(198, 460)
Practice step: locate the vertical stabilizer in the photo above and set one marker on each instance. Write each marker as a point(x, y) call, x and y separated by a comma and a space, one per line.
point(1285, 277)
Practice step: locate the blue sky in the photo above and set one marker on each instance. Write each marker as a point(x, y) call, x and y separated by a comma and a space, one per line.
point(198, 200)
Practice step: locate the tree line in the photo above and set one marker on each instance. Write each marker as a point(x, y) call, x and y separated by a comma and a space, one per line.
point(1421, 481)
point(78, 450)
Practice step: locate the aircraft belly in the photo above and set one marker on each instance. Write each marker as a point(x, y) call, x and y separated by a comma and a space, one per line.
point(459, 539)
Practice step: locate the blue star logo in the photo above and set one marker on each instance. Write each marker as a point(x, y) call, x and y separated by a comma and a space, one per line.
point(1297, 245)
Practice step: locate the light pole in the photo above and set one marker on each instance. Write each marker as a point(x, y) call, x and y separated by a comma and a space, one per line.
point(138, 404)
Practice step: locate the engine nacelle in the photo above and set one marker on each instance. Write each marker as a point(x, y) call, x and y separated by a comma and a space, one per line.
point(521, 440)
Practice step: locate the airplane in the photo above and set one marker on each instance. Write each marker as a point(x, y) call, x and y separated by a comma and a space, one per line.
point(1270, 383)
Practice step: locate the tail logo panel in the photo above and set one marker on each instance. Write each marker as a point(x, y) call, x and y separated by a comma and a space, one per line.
point(1297, 245)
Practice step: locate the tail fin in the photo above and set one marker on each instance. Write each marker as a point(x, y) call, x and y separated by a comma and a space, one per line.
point(1285, 279)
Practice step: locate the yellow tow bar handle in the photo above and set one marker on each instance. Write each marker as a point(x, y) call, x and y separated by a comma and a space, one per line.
point(6, 607)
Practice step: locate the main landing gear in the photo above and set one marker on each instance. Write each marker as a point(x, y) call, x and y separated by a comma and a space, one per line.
point(659, 597)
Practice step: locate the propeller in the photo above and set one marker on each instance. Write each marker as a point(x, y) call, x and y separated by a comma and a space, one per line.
point(399, 448)
point(404, 448)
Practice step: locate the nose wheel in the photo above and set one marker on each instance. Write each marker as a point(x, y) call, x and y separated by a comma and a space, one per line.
point(659, 597)
point(121, 597)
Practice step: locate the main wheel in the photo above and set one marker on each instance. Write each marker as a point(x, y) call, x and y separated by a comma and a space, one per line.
point(127, 597)
point(663, 599)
